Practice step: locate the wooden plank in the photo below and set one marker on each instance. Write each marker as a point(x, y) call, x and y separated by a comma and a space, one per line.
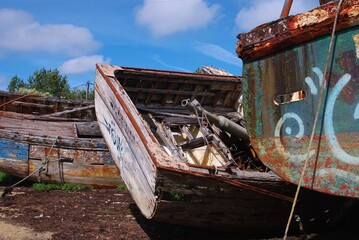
point(33, 105)
point(14, 167)
point(71, 143)
point(80, 157)
point(204, 202)
point(57, 114)
point(152, 91)
point(88, 129)
point(58, 172)
point(18, 122)
point(195, 143)
point(138, 180)
point(150, 95)
point(269, 182)
point(136, 167)
point(57, 104)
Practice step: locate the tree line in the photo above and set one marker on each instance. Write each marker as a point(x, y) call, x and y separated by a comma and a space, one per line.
point(49, 82)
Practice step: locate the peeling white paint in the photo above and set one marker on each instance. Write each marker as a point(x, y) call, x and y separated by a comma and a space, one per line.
point(335, 147)
point(356, 42)
point(277, 133)
point(356, 112)
point(311, 18)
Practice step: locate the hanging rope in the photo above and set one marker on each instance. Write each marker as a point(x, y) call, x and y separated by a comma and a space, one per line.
point(330, 52)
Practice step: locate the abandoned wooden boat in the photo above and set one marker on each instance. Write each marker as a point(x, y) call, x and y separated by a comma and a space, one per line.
point(177, 166)
point(53, 141)
point(284, 78)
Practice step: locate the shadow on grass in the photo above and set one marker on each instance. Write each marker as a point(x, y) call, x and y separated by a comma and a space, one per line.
point(7, 180)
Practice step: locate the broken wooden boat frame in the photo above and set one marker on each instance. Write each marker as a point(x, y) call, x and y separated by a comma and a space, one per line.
point(168, 159)
point(59, 142)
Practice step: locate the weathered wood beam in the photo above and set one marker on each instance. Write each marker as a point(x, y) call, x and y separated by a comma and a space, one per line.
point(196, 143)
point(35, 105)
point(165, 91)
point(57, 114)
point(84, 143)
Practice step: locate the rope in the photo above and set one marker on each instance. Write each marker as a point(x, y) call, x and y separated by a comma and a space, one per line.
point(16, 99)
point(43, 163)
point(330, 51)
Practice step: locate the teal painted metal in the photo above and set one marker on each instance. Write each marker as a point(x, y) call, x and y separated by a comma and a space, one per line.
point(280, 132)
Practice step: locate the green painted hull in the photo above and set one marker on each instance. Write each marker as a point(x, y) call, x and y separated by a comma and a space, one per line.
point(281, 94)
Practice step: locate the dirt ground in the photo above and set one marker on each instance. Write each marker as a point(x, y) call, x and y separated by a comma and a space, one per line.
point(97, 214)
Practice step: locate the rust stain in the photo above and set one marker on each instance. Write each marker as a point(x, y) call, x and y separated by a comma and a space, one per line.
point(286, 57)
point(287, 32)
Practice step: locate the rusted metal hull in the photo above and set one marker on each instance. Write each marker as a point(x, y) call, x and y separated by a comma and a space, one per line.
point(72, 152)
point(167, 187)
point(282, 76)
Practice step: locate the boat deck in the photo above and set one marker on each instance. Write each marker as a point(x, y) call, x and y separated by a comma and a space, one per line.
point(23, 124)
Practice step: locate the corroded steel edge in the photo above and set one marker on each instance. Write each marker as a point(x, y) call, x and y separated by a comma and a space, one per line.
point(293, 30)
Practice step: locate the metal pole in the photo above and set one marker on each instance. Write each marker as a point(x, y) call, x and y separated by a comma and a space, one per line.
point(286, 8)
point(87, 89)
point(220, 121)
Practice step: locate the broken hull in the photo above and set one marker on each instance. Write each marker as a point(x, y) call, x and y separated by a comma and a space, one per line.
point(40, 106)
point(26, 141)
point(177, 192)
point(288, 62)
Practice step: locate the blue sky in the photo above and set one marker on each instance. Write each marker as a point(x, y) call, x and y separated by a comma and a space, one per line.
point(179, 35)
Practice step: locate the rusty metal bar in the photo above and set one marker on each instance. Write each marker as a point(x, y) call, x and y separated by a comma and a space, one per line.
point(16, 99)
point(286, 8)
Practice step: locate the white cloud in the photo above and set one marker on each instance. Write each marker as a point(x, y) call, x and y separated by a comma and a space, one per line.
point(262, 11)
point(20, 32)
point(158, 59)
point(165, 17)
point(218, 53)
point(82, 64)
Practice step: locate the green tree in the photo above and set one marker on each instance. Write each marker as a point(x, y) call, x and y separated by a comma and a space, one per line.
point(81, 94)
point(49, 81)
point(15, 84)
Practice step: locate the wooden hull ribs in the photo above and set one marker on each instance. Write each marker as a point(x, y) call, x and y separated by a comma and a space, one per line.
point(178, 164)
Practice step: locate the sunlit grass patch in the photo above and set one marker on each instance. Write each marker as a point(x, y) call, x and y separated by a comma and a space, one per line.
point(66, 187)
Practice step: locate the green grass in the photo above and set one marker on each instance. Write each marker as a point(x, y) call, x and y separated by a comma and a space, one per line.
point(6, 179)
point(177, 197)
point(122, 186)
point(52, 186)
